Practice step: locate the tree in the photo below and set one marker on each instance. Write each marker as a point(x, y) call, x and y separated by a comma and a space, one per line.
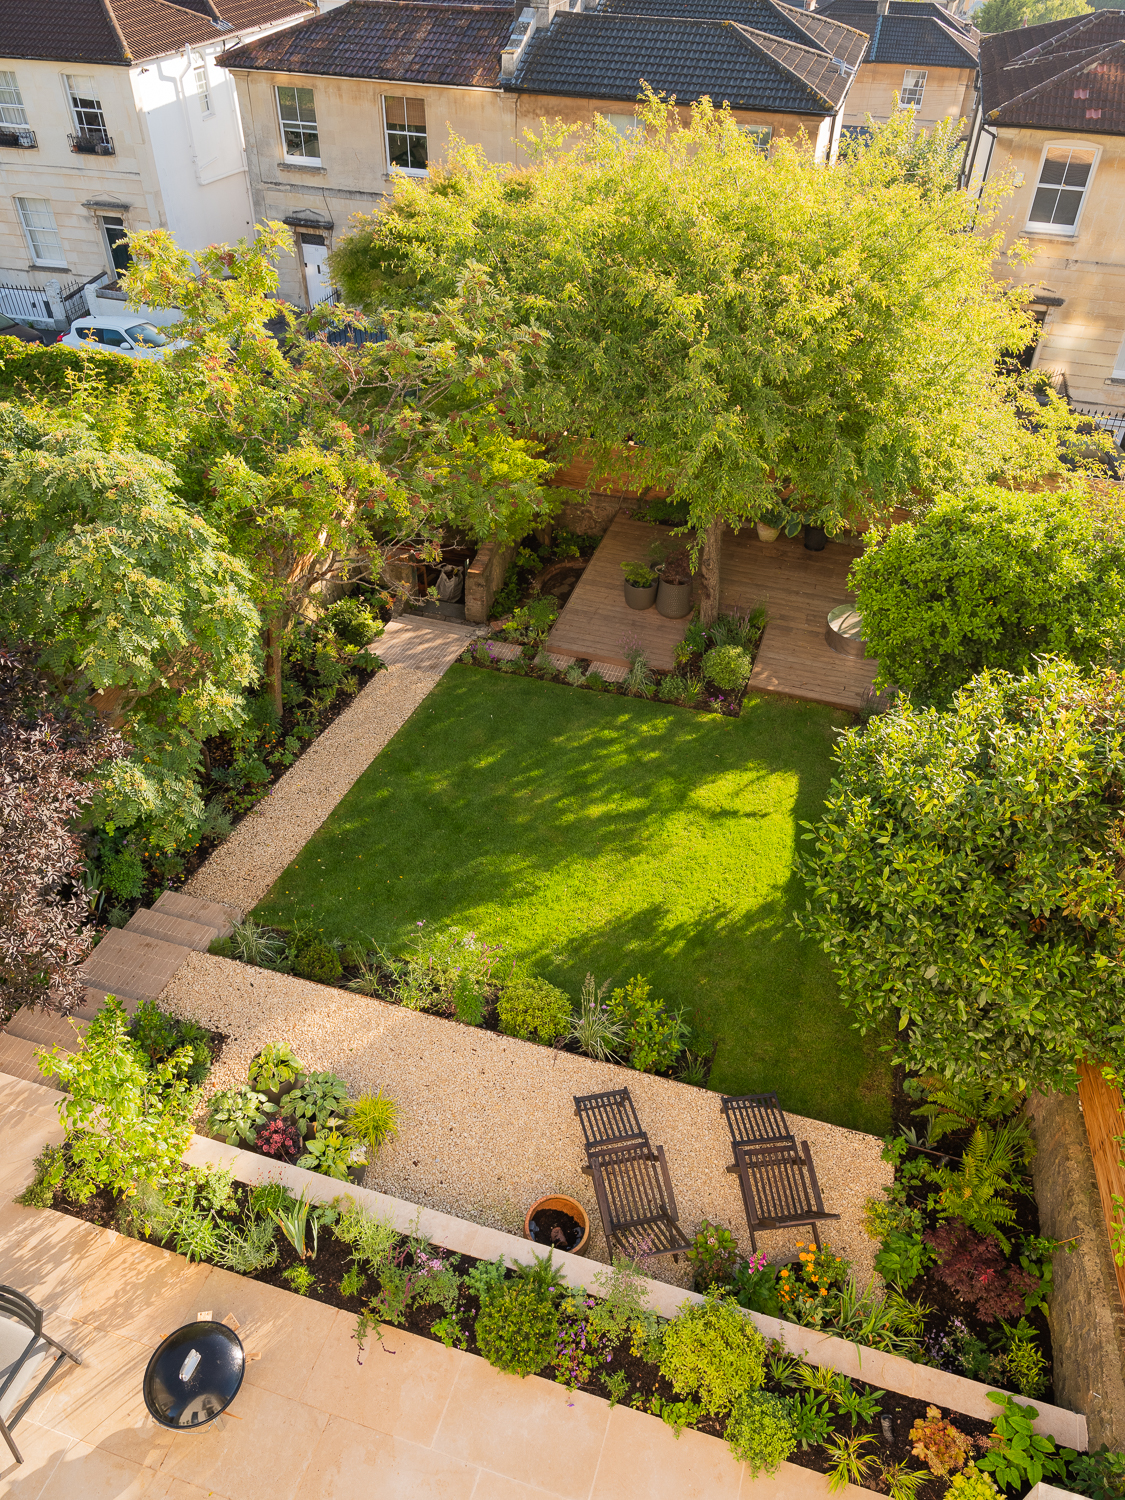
point(966, 878)
point(994, 578)
point(1008, 15)
point(759, 333)
point(130, 596)
point(46, 757)
point(311, 456)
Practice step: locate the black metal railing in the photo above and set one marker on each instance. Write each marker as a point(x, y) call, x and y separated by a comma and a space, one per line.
point(18, 136)
point(92, 145)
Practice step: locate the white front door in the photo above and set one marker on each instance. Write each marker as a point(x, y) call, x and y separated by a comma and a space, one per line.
point(318, 281)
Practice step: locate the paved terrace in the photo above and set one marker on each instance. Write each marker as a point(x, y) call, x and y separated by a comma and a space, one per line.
point(414, 1421)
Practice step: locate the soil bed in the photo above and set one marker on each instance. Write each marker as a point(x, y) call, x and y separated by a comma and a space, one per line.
point(551, 1227)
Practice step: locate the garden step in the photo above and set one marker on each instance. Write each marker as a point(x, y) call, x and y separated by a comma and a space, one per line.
point(158, 924)
point(45, 1028)
point(94, 1001)
point(125, 963)
point(18, 1060)
point(195, 909)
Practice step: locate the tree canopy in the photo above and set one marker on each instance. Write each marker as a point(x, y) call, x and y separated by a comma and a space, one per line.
point(965, 880)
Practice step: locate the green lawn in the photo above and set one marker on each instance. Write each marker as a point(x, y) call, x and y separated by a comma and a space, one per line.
point(600, 833)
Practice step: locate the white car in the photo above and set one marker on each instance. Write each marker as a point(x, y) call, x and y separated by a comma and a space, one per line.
point(125, 335)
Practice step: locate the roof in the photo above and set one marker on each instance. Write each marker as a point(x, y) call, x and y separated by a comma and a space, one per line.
point(609, 54)
point(121, 32)
point(786, 22)
point(409, 42)
point(1033, 76)
point(916, 33)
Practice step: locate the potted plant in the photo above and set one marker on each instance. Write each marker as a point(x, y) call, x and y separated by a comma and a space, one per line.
point(373, 1121)
point(332, 1154)
point(559, 1222)
point(274, 1071)
point(673, 599)
point(768, 525)
point(640, 585)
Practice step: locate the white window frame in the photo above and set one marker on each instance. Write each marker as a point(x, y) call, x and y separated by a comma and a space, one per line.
point(627, 126)
point(391, 166)
point(99, 131)
point(31, 231)
point(760, 135)
point(202, 88)
point(1119, 363)
point(1062, 231)
point(912, 89)
point(298, 161)
point(13, 112)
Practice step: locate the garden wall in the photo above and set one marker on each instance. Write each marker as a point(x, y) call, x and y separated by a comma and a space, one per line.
point(888, 1371)
point(1086, 1316)
point(484, 577)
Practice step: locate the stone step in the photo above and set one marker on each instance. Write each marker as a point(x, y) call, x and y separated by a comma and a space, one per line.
point(125, 963)
point(94, 1001)
point(195, 909)
point(46, 1028)
point(18, 1060)
point(158, 924)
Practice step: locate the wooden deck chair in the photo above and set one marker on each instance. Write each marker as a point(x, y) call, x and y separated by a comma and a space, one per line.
point(756, 1120)
point(609, 1119)
point(636, 1201)
point(779, 1189)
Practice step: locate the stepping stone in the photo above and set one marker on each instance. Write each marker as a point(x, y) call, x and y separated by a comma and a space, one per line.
point(195, 909)
point(45, 1028)
point(125, 963)
point(18, 1060)
point(158, 924)
point(94, 1001)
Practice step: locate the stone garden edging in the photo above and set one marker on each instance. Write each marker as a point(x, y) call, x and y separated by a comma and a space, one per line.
point(888, 1371)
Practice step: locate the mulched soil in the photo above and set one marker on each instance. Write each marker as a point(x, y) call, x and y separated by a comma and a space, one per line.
point(647, 1390)
point(551, 1227)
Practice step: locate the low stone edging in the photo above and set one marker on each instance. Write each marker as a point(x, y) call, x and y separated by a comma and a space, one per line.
point(888, 1371)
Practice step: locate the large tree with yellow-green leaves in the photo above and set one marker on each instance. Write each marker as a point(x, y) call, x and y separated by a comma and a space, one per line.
point(774, 335)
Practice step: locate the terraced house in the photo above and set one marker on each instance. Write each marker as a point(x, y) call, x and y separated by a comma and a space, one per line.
point(336, 107)
point(114, 117)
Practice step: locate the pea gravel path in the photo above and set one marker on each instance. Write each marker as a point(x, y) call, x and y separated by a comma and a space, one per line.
point(488, 1122)
point(269, 838)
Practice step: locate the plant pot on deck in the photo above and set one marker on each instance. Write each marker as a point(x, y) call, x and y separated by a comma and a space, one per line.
point(673, 600)
point(557, 1203)
point(815, 538)
point(638, 597)
point(767, 533)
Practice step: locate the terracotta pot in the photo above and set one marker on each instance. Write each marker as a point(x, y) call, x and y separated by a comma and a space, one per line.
point(561, 1205)
point(767, 533)
point(674, 600)
point(640, 598)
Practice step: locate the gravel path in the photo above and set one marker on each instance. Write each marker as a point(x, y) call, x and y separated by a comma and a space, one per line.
point(488, 1122)
point(269, 838)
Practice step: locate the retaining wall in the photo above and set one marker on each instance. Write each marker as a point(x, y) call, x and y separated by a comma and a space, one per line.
point(484, 577)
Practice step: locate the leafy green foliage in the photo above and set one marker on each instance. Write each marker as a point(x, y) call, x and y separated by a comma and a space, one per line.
point(352, 622)
point(1100, 1474)
point(994, 578)
point(972, 1484)
point(1008, 15)
point(50, 1165)
point(374, 1121)
point(517, 1328)
point(236, 1115)
point(274, 1065)
point(160, 1035)
point(976, 849)
point(318, 961)
point(486, 1277)
point(653, 1034)
point(329, 1152)
point(728, 667)
point(713, 1256)
point(760, 1432)
point(902, 1257)
point(714, 1352)
point(373, 1241)
point(533, 1009)
point(318, 1099)
point(991, 1170)
point(1019, 1456)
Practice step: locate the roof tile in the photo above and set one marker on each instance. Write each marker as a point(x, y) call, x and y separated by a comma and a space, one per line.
point(916, 33)
point(1030, 76)
point(125, 31)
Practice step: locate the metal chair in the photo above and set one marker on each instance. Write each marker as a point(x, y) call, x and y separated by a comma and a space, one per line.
point(24, 1350)
point(779, 1188)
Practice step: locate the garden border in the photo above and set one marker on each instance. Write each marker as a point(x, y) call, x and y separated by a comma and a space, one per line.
point(888, 1371)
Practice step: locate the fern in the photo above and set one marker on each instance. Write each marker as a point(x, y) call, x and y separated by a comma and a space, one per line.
point(980, 1191)
point(957, 1106)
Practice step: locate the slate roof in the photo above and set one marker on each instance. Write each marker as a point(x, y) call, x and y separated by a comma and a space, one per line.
point(916, 33)
point(1031, 76)
point(607, 55)
point(392, 39)
point(790, 24)
point(127, 31)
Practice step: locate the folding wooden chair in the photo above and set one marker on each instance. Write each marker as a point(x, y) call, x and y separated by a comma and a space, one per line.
point(24, 1350)
point(609, 1119)
point(636, 1201)
point(756, 1120)
point(779, 1188)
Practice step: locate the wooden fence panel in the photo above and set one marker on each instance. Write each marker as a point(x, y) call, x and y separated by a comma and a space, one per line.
point(1104, 1115)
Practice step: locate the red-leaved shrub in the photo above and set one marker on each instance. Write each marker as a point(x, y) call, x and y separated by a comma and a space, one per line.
point(279, 1138)
point(973, 1266)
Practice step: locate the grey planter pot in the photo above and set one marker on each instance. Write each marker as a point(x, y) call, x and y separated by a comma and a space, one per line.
point(673, 601)
point(356, 1174)
point(638, 598)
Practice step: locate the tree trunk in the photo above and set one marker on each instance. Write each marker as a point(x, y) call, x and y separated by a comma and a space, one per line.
point(709, 573)
point(273, 663)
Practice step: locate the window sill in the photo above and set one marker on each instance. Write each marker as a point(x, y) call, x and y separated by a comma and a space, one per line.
point(407, 172)
point(1053, 233)
point(301, 166)
point(50, 265)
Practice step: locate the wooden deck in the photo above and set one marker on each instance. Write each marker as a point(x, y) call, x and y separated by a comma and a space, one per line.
point(797, 587)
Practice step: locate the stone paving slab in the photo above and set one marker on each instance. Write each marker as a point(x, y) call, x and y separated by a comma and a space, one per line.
point(46, 1028)
point(424, 645)
point(195, 909)
point(127, 963)
point(169, 929)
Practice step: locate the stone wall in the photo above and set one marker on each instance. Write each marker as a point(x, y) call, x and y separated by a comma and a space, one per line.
point(1086, 1316)
point(484, 578)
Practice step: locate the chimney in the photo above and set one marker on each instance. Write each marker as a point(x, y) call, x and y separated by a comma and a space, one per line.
point(882, 7)
point(523, 28)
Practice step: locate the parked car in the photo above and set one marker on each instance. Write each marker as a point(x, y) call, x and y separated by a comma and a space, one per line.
point(125, 335)
point(10, 329)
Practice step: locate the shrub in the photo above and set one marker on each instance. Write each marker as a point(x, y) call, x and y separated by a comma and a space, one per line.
point(902, 1257)
point(940, 1445)
point(977, 845)
point(991, 579)
point(123, 875)
point(517, 1328)
point(760, 1432)
point(653, 1034)
point(318, 961)
point(971, 1484)
point(974, 1266)
point(639, 574)
point(712, 1351)
point(162, 1038)
point(713, 1256)
point(372, 1240)
point(1100, 1474)
point(351, 622)
point(1018, 1456)
point(374, 1121)
point(728, 667)
point(1027, 1366)
point(530, 1007)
